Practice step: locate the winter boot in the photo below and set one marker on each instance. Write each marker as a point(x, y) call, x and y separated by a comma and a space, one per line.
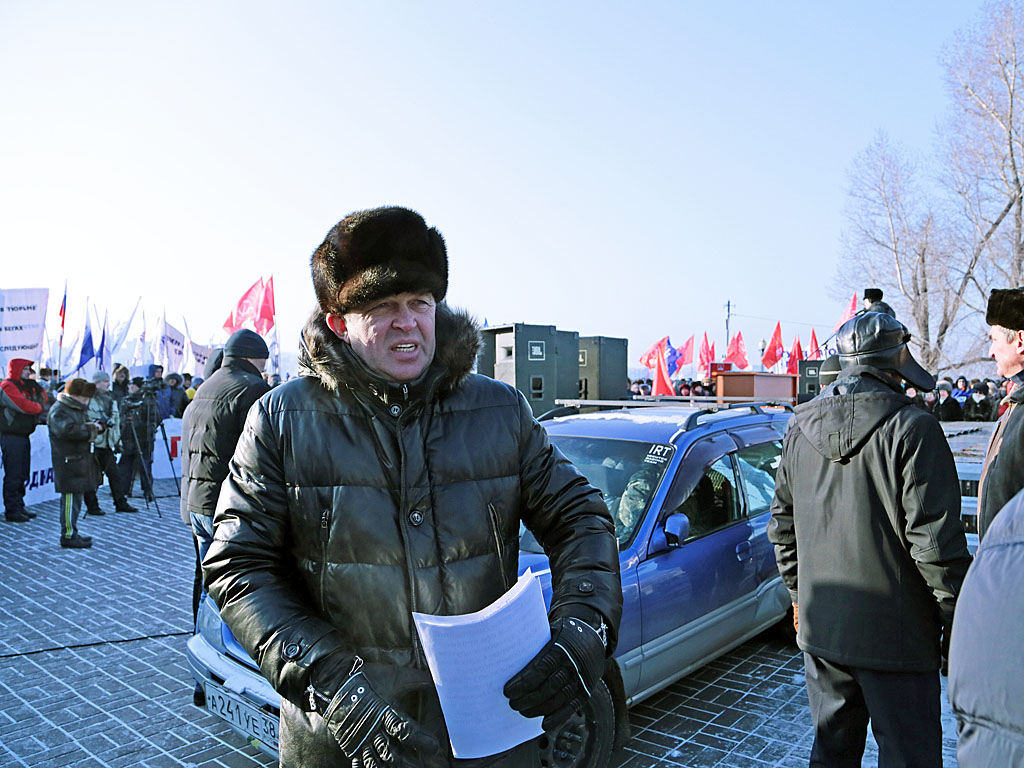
point(75, 542)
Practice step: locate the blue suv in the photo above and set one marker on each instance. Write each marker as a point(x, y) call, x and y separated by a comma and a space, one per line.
point(689, 490)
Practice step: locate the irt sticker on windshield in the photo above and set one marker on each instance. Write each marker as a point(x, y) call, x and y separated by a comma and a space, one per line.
point(659, 454)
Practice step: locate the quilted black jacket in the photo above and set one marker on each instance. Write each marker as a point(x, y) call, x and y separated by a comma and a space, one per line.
point(352, 502)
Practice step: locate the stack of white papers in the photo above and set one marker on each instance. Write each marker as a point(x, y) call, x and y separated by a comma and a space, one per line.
point(472, 656)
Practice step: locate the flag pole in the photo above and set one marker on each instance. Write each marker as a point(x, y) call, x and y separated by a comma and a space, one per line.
point(60, 346)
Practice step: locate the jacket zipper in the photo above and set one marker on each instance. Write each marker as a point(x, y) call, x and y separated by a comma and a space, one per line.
point(498, 544)
point(325, 535)
point(403, 524)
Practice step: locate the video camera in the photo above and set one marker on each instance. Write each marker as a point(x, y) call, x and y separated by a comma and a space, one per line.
point(151, 386)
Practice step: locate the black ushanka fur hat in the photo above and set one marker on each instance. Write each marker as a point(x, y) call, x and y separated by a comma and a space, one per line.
point(376, 253)
point(1006, 308)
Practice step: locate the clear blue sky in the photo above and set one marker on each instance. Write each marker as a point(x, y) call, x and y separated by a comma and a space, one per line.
point(616, 169)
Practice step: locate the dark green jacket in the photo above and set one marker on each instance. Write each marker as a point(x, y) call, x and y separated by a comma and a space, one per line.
point(74, 467)
point(352, 502)
point(866, 526)
point(1004, 475)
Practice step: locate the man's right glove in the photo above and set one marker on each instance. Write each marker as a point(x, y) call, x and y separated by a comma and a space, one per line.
point(559, 678)
point(370, 730)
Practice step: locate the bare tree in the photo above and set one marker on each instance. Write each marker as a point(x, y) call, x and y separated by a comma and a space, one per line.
point(938, 241)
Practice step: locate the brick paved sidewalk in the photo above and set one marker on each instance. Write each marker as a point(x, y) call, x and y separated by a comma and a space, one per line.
point(93, 671)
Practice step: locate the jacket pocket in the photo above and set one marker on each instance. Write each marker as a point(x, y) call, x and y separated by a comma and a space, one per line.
point(499, 545)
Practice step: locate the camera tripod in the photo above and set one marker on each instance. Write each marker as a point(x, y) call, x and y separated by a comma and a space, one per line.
point(149, 406)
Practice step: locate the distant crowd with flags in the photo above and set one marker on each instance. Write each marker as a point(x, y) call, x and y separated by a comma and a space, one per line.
point(673, 371)
point(88, 340)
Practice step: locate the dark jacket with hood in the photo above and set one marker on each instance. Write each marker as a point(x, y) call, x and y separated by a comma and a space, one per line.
point(1003, 472)
point(21, 400)
point(866, 526)
point(985, 674)
point(74, 468)
point(352, 502)
point(210, 429)
point(163, 394)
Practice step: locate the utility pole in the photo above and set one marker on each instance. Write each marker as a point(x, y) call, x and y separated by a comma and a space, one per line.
point(728, 314)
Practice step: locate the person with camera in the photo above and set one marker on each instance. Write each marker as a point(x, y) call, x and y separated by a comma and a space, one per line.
point(22, 403)
point(74, 469)
point(103, 409)
point(139, 421)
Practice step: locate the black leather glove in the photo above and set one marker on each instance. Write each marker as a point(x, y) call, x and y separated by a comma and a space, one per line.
point(559, 678)
point(372, 731)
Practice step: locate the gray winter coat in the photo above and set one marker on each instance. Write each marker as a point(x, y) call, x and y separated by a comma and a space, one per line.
point(986, 677)
point(352, 502)
point(1003, 473)
point(866, 526)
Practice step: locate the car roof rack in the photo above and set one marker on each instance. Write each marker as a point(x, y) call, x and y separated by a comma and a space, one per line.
point(711, 404)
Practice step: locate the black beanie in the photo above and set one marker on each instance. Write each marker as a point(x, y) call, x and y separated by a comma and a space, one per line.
point(246, 343)
point(873, 294)
point(376, 253)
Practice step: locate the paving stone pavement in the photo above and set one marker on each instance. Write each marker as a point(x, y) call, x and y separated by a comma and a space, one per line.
point(93, 671)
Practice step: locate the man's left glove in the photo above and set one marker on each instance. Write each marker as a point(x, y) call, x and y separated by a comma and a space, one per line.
point(559, 678)
point(370, 729)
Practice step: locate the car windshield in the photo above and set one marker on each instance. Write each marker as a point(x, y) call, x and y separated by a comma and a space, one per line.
point(627, 472)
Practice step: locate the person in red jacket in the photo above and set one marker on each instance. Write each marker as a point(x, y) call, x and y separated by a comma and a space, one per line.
point(21, 402)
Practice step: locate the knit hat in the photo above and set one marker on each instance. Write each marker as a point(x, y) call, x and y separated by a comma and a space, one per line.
point(873, 294)
point(100, 376)
point(246, 343)
point(376, 253)
point(980, 389)
point(1006, 308)
point(945, 386)
point(80, 387)
point(138, 381)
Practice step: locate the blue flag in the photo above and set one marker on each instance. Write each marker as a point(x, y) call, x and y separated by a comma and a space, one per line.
point(87, 352)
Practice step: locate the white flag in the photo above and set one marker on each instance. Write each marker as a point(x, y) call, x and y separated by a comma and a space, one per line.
point(139, 355)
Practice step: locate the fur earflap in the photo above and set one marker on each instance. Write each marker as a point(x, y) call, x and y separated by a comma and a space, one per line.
point(1006, 308)
point(376, 253)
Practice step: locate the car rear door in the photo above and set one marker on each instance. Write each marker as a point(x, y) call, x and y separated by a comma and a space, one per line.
point(699, 595)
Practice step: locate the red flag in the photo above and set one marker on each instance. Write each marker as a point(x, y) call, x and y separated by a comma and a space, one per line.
point(685, 355)
point(662, 382)
point(649, 358)
point(704, 357)
point(796, 354)
point(850, 312)
point(773, 352)
point(813, 350)
point(247, 308)
point(736, 352)
point(713, 355)
point(265, 312)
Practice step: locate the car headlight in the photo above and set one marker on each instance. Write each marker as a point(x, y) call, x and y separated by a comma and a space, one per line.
point(208, 625)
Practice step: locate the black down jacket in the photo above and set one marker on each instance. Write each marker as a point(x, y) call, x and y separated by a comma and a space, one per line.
point(985, 674)
point(74, 467)
point(210, 429)
point(866, 526)
point(352, 502)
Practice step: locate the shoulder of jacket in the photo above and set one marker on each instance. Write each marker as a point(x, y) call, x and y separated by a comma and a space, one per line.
point(477, 390)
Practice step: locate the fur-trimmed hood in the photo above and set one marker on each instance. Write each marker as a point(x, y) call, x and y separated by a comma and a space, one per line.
point(326, 357)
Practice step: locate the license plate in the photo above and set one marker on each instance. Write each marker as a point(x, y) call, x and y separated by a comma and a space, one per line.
point(243, 715)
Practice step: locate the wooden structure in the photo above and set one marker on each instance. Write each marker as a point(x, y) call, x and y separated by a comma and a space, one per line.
point(760, 386)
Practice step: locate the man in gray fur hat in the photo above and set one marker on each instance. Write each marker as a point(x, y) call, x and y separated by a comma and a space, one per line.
point(868, 539)
point(390, 479)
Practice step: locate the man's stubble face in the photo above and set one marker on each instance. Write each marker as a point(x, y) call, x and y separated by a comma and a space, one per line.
point(1009, 355)
point(393, 336)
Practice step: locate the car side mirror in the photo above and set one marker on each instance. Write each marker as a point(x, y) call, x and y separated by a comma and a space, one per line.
point(677, 529)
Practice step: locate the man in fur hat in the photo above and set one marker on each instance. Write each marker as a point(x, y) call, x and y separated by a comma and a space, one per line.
point(74, 469)
point(1002, 474)
point(390, 479)
point(873, 302)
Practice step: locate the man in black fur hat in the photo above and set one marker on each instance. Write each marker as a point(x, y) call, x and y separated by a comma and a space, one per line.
point(873, 302)
point(1002, 474)
point(390, 479)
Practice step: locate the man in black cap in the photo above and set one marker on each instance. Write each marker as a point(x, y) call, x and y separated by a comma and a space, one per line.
point(1002, 474)
point(140, 418)
point(390, 479)
point(868, 539)
point(873, 302)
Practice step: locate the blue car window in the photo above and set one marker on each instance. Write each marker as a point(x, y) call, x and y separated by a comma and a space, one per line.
point(627, 472)
point(758, 465)
point(714, 501)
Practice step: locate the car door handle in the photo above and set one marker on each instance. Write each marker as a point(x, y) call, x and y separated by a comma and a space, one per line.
point(743, 551)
